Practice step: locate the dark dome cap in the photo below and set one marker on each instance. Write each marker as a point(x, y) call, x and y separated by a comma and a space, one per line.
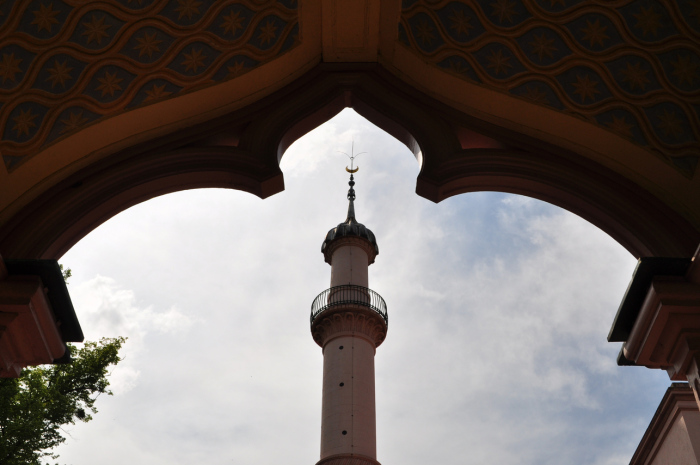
point(350, 228)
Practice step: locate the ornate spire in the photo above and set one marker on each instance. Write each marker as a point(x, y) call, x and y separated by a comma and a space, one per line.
point(351, 197)
point(351, 192)
point(351, 227)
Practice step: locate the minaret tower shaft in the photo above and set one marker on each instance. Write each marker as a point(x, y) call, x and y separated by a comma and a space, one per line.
point(349, 321)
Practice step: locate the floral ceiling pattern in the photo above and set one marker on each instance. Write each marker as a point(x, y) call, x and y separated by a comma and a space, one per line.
point(65, 64)
point(630, 66)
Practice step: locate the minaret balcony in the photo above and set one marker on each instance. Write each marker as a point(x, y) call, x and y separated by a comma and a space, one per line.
point(349, 295)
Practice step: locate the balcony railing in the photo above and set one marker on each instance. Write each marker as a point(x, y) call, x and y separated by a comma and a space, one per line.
point(349, 294)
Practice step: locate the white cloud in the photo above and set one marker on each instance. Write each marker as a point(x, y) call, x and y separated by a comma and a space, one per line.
point(107, 310)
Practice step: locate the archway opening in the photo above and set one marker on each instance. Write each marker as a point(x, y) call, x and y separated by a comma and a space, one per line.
point(499, 310)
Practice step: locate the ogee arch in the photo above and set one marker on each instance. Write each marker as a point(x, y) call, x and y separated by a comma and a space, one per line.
point(241, 150)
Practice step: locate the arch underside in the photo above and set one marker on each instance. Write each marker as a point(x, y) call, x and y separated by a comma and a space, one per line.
point(589, 106)
point(242, 148)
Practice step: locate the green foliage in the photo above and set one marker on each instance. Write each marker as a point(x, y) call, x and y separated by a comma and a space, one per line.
point(35, 406)
point(67, 273)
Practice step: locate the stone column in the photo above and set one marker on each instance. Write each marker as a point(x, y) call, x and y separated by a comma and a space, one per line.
point(349, 336)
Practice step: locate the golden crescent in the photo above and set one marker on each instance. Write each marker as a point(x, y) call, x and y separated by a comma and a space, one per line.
point(351, 171)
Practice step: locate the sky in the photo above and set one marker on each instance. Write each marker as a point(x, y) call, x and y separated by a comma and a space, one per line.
point(496, 352)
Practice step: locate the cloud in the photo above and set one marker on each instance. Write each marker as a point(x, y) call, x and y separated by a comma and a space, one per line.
point(107, 310)
point(508, 349)
point(499, 306)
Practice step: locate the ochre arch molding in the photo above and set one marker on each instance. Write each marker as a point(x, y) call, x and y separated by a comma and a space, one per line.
point(629, 66)
point(241, 150)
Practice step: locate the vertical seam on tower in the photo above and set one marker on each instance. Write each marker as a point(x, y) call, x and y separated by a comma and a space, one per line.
point(352, 396)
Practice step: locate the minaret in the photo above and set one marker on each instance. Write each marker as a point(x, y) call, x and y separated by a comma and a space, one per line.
point(349, 321)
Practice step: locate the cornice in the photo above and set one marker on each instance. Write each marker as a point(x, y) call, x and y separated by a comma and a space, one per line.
point(349, 320)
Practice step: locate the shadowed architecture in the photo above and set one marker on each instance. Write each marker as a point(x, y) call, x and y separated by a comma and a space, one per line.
point(591, 106)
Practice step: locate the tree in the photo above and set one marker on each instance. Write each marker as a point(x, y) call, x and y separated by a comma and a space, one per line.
point(35, 406)
point(67, 273)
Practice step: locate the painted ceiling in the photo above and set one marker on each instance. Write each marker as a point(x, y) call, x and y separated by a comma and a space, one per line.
point(630, 66)
point(65, 64)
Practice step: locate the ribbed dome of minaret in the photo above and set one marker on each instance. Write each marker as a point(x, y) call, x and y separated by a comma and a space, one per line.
point(350, 227)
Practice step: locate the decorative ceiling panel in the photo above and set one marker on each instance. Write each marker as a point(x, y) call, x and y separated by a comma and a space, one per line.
point(630, 66)
point(65, 64)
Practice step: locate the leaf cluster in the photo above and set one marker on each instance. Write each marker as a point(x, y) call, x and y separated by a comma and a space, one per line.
point(35, 406)
point(66, 272)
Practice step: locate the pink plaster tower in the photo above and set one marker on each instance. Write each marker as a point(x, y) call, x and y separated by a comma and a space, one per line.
point(349, 321)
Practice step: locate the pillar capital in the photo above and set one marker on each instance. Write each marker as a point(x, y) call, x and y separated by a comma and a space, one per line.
point(667, 331)
point(660, 316)
point(36, 315)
